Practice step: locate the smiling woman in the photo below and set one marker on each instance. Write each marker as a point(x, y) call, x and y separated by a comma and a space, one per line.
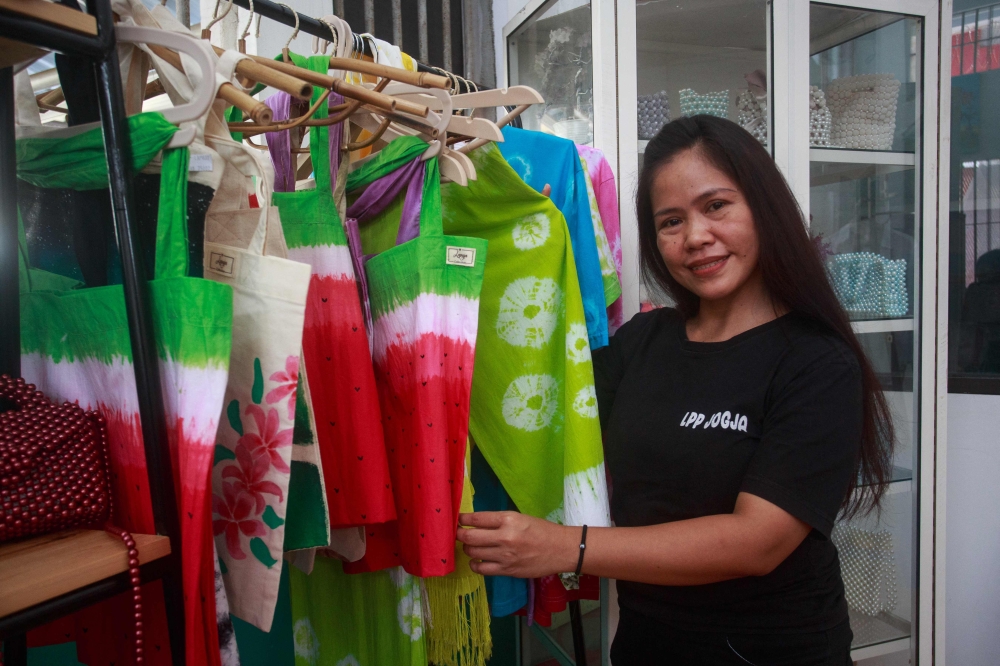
point(738, 426)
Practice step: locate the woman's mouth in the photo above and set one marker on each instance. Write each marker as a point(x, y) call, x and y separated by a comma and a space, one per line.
point(709, 267)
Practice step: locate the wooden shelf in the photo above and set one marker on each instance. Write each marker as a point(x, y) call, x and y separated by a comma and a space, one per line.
point(43, 568)
point(53, 14)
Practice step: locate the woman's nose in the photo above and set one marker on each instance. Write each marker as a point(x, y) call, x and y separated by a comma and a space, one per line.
point(699, 232)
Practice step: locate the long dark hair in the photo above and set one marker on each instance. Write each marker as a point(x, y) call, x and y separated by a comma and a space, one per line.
point(789, 264)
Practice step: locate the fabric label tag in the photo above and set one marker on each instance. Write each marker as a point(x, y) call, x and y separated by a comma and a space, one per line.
point(461, 256)
point(202, 162)
point(222, 263)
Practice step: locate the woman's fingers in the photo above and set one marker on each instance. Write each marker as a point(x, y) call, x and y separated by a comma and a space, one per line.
point(486, 553)
point(487, 568)
point(489, 520)
point(479, 537)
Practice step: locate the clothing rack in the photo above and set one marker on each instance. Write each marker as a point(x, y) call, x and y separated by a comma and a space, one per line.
point(307, 24)
point(97, 44)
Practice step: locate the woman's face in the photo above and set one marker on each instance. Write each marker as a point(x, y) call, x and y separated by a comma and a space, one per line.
point(704, 229)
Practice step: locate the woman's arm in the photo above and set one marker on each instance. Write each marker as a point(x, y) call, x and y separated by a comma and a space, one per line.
point(751, 541)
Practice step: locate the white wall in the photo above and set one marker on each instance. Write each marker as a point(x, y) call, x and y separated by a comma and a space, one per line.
point(973, 536)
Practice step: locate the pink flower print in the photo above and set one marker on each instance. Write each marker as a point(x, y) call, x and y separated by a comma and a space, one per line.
point(250, 474)
point(234, 511)
point(288, 382)
point(270, 438)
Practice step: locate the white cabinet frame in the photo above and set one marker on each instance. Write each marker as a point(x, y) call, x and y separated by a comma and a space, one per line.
point(616, 132)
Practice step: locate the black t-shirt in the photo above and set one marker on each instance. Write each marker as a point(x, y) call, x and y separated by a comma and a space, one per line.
point(775, 412)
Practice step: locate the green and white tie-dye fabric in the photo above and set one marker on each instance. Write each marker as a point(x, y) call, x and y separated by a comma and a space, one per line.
point(612, 287)
point(534, 407)
point(369, 619)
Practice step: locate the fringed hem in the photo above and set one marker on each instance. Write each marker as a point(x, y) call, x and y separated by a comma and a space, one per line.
point(459, 632)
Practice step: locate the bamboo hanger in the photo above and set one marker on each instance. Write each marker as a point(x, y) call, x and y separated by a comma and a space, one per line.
point(206, 32)
point(421, 79)
point(295, 33)
point(341, 87)
point(241, 43)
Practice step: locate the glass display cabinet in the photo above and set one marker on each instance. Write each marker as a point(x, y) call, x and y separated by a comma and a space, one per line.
point(846, 97)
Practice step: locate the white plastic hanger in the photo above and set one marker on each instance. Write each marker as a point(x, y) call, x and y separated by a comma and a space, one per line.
point(513, 96)
point(197, 108)
point(202, 54)
point(452, 167)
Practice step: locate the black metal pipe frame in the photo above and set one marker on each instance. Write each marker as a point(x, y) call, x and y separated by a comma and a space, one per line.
point(10, 299)
point(16, 646)
point(43, 35)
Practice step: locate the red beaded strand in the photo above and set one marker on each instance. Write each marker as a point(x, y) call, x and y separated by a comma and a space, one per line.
point(55, 474)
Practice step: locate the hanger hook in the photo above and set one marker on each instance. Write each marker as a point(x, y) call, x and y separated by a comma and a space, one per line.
point(216, 17)
point(295, 32)
point(246, 30)
point(323, 44)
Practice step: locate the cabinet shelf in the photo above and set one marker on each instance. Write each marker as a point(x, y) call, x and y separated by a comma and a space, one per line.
point(884, 630)
point(37, 570)
point(882, 325)
point(849, 156)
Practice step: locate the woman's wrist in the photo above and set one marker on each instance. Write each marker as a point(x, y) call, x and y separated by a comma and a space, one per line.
point(569, 548)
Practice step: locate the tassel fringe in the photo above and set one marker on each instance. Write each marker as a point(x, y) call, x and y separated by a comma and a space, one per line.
point(459, 634)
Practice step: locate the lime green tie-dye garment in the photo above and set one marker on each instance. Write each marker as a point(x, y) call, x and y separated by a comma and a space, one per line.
point(534, 408)
point(369, 619)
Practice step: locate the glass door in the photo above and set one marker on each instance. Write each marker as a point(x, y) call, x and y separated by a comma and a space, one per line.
point(865, 216)
point(691, 57)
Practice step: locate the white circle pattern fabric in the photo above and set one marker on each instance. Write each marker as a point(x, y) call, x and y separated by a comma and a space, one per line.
point(530, 402)
point(529, 312)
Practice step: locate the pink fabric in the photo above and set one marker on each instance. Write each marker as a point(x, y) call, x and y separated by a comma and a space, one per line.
point(606, 193)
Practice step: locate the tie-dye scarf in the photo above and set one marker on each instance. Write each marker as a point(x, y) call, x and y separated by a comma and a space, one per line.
point(534, 407)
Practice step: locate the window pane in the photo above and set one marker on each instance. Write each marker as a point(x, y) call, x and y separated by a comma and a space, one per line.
point(552, 52)
point(974, 276)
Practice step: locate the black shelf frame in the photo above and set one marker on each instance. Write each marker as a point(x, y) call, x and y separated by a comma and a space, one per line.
point(101, 51)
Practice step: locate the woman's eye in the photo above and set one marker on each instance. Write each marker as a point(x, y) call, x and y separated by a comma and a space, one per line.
point(716, 205)
point(670, 222)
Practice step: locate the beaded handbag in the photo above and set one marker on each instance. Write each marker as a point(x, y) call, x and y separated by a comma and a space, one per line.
point(712, 104)
point(869, 285)
point(863, 111)
point(753, 114)
point(820, 119)
point(54, 474)
point(654, 113)
point(868, 566)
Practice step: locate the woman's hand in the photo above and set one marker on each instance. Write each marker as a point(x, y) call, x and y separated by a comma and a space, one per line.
point(507, 543)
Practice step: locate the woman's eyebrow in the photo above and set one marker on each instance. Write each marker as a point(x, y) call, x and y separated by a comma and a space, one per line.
point(707, 194)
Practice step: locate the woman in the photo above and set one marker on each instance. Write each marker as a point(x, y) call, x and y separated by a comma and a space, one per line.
point(738, 426)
